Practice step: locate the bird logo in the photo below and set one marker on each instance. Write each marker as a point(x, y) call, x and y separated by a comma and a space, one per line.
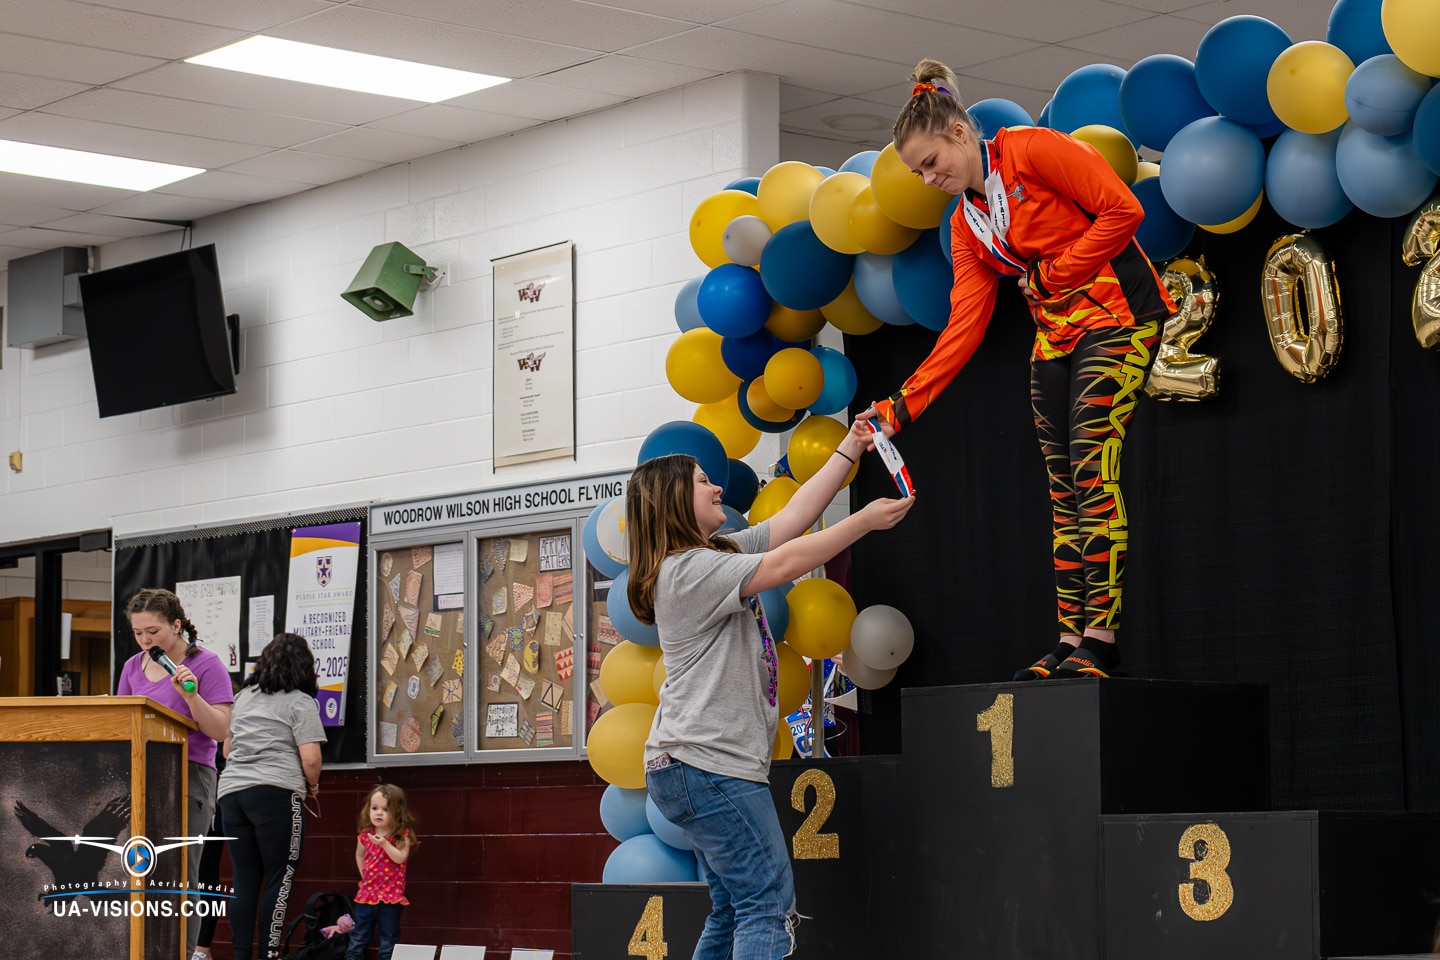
point(69, 861)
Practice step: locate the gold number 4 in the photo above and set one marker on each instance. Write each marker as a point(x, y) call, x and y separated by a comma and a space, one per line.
point(1208, 850)
point(809, 843)
point(999, 719)
point(648, 940)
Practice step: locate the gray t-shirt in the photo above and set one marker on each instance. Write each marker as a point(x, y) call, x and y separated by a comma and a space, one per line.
point(714, 712)
point(266, 731)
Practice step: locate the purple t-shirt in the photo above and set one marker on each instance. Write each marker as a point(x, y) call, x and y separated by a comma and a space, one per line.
point(212, 682)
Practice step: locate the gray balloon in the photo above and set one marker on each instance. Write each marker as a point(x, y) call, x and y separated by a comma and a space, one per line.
point(882, 637)
point(744, 238)
point(866, 678)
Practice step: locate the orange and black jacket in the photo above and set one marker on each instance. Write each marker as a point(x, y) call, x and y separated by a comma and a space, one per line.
point(1073, 222)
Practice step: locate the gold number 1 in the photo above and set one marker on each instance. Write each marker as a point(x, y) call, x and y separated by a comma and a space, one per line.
point(999, 719)
point(648, 940)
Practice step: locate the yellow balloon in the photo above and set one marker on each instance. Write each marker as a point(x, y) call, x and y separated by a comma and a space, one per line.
point(723, 418)
point(821, 613)
point(849, 315)
point(1240, 222)
point(772, 499)
point(1114, 146)
point(794, 326)
point(658, 678)
point(627, 674)
point(1306, 86)
point(904, 197)
point(695, 369)
point(813, 443)
point(830, 210)
point(762, 406)
point(712, 216)
point(784, 746)
point(616, 744)
point(794, 680)
point(1412, 28)
point(875, 232)
point(784, 192)
point(794, 378)
point(1146, 169)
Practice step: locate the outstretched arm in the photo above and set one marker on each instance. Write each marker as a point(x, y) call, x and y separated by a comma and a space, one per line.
point(815, 494)
point(803, 554)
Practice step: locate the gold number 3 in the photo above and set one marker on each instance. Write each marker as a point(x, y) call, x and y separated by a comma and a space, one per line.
point(648, 940)
point(809, 843)
point(1208, 850)
point(999, 719)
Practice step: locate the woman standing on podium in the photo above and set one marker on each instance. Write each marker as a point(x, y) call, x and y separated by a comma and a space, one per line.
point(1045, 209)
point(159, 622)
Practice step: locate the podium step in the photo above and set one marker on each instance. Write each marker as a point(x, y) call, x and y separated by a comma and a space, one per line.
point(616, 921)
point(1296, 885)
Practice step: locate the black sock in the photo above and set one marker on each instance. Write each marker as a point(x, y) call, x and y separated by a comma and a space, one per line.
point(1105, 655)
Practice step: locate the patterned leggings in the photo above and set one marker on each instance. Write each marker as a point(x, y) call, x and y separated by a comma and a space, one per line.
point(1082, 404)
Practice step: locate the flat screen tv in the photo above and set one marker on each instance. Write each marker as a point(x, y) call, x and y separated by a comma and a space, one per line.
point(158, 332)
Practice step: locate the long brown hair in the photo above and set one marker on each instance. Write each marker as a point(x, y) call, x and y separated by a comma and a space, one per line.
point(166, 606)
point(399, 809)
point(660, 519)
point(932, 111)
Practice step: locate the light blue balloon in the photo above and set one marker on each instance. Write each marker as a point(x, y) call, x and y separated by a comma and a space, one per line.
point(1384, 176)
point(863, 162)
point(622, 616)
point(663, 828)
point(623, 812)
point(590, 540)
point(923, 278)
point(1383, 94)
point(875, 286)
point(996, 113)
point(648, 859)
point(1213, 170)
point(1301, 182)
point(687, 306)
point(1163, 233)
point(825, 170)
point(1355, 27)
point(840, 381)
point(1232, 67)
point(1159, 96)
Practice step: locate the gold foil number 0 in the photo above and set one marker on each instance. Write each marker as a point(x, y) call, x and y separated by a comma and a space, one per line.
point(808, 843)
point(999, 720)
point(1208, 893)
point(648, 940)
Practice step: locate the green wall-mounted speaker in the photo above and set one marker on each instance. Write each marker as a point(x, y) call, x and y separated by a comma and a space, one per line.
point(388, 281)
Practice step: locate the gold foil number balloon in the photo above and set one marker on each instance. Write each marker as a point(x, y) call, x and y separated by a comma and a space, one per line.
point(1179, 374)
point(1307, 333)
point(1422, 240)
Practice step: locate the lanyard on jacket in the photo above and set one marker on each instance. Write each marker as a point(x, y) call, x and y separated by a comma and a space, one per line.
point(991, 228)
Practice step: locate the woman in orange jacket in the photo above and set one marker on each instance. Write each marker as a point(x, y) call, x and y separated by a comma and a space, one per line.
point(1047, 210)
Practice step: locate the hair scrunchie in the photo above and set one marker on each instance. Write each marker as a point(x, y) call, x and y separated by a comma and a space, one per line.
point(930, 88)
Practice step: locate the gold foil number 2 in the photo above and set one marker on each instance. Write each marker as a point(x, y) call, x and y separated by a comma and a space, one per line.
point(648, 940)
point(1208, 850)
point(999, 719)
point(808, 843)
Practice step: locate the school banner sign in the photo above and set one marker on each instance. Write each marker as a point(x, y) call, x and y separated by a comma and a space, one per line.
point(324, 562)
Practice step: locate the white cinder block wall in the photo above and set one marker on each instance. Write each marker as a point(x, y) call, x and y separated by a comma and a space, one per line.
point(335, 409)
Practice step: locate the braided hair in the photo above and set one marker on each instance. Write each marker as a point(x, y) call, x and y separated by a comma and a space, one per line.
point(934, 107)
point(165, 605)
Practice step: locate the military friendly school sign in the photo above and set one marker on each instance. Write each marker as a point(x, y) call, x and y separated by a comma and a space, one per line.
point(324, 561)
point(508, 504)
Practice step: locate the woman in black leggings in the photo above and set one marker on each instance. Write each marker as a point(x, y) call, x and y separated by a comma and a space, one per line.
point(273, 763)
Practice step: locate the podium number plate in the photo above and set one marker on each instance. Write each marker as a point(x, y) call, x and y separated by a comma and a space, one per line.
point(1207, 848)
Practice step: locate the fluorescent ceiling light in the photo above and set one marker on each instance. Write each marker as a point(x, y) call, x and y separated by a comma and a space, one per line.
point(328, 67)
point(80, 166)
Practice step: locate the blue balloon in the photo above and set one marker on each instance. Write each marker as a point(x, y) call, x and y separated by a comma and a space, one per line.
point(589, 538)
point(1232, 66)
point(746, 356)
point(764, 426)
point(945, 233)
point(623, 812)
point(840, 382)
point(664, 829)
point(648, 859)
point(997, 113)
point(732, 300)
point(825, 170)
point(862, 162)
point(1213, 170)
point(622, 615)
point(1089, 95)
point(1384, 176)
point(801, 272)
point(875, 286)
point(685, 436)
point(1427, 130)
point(1044, 119)
point(750, 185)
point(1163, 233)
point(923, 278)
point(1266, 129)
point(687, 308)
point(1355, 28)
point(776, 603)
point(1301, 182)
point(734, 520)
point(1383, 94)
point(743, 486)
point(1158, 96)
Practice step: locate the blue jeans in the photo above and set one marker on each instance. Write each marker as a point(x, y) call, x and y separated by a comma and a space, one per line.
point(368, 916)
point(742, 855)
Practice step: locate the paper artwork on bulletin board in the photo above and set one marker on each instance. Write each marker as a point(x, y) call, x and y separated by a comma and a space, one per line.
point(214, 607)
point(534, 356)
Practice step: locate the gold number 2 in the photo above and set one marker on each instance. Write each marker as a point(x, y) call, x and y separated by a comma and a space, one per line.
point(809, 843)
point(1208, 850)
point(648, 940)
point(999, 719)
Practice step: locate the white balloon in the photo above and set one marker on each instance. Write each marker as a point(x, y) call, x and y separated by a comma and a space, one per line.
point(866, 678)
point(744, 239)
point(881, 637)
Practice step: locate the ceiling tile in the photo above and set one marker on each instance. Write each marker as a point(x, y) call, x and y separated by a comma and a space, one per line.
point(1301, 19)
point(696, 11)
point(382, 146)
point(42, 238)
point(188, 117)
point(237, 187)
point(99, 224)
point(444, 122)
point(628, 77)
point(578, 24)
point(57, 193)
point(1162, 34)
point(15, 213)
point(104, 28)
point(310, 168)
point(1044, 21)
point(27, 93)
point(249, 15)
point(1041, 68)
point(857, 120)
point(160, 206)
point(66, 61)
point(1157, 6)
point(121, 141)
point(536, 100)
point(797, 98)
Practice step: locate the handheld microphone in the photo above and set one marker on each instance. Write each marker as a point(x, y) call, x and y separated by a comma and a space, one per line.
point(159, 657)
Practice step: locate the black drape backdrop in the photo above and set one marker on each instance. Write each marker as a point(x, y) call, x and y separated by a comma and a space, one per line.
point(1281, 532)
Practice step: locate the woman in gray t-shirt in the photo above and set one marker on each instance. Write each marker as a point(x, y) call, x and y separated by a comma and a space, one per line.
point(707, 757)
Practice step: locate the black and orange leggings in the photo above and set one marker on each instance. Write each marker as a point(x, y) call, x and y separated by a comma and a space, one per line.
point(1082, 404)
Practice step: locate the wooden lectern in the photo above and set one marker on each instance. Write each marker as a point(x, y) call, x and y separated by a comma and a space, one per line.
point(110, 771)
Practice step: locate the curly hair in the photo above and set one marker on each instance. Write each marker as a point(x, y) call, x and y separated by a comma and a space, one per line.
point(285, 664)
point(933, 111)
point(166, 606)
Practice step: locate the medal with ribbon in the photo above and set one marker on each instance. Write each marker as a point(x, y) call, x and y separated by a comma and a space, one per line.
point(767, 643)
point(991, 227)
